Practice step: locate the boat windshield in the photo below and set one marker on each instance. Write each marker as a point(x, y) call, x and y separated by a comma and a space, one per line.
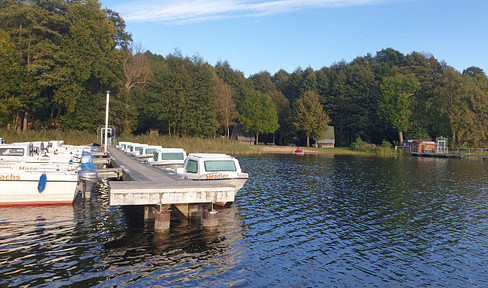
point(172, 156)
point(220, 165)
point(191, 166)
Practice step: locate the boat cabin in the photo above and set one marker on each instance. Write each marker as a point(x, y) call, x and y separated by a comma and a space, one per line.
point(55, 145)
point(150, 150)
point(168, 157)
point(129, 148)
point(207, 166)
point(417, 145)
point(15, 152)
point(137, 148)
point(123, 145)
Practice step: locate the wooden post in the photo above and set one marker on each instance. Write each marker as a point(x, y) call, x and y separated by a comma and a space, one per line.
point(195, 210)
point(149, 213)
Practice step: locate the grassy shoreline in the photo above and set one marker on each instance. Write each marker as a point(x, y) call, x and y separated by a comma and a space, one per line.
point(190, 144)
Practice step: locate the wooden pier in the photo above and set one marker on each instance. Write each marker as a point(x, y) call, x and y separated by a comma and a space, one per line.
point(157, 190)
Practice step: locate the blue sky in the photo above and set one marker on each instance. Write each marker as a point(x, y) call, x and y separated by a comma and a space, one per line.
point(257, 35)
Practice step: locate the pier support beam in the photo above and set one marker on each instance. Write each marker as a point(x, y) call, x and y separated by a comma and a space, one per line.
point(210, 219)
point(150, 213)
point(195, 210)
point(190, 210)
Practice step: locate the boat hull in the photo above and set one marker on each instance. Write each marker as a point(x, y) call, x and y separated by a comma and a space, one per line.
point(22, 189)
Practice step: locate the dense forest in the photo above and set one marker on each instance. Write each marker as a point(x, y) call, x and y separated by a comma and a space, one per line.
point(58, 57)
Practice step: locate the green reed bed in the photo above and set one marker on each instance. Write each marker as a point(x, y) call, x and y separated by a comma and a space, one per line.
point(194, 144)
point(385, 149)
point(72, 137)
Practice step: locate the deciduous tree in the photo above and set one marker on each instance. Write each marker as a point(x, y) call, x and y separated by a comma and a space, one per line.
point(259, 114)
point(227, 107)
point(395, 105)
point(309, 117)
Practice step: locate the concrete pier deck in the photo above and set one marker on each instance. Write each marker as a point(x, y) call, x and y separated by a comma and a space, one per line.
point(146, 185)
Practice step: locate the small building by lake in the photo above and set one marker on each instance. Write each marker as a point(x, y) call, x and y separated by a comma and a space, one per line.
point(243, 137)
point(328, 140)
point(417, 145)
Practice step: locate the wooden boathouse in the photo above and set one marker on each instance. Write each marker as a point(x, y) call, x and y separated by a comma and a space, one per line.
point(158, 190)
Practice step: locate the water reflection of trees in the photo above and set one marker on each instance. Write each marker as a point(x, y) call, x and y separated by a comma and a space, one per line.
point(188, 253)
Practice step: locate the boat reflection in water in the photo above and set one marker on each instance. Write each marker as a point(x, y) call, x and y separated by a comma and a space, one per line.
point(188, 254)
point(91, 243)
point(31, 235)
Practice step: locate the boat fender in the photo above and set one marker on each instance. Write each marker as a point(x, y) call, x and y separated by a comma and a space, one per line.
point(88, 165)
point(42, 183)
point(85, 153)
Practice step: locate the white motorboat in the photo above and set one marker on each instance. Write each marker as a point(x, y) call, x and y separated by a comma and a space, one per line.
point(207, 166)
point(123, 145)
point(31, 153)
point(168, 158)
point(138, 148)
point(147, 152)
point(37, 187)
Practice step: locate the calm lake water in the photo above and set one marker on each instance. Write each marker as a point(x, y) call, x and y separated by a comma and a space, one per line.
point(310, 221)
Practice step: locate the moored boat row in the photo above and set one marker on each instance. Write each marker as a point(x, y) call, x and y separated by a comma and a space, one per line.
point(197, 166)
point(33, 173)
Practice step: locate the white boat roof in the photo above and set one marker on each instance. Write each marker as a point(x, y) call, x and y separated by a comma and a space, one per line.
point(211, 156)
point(168, 150)
point(153, 147)
point(16, 145)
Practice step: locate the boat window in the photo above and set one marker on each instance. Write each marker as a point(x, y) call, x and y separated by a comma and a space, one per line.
point(123, 146)
point(12, 151)
point(138, 149)
point(156, 156)
point(191, 166)
point(172, 156)
point(220, 165)
point(150, 151)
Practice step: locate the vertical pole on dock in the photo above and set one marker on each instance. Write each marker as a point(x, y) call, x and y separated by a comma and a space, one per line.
point(106, 121)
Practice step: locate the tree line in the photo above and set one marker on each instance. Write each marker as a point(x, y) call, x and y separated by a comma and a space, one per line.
point(58, 57)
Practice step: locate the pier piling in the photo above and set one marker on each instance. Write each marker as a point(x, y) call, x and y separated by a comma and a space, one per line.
point(162, 222)
point(210, 219)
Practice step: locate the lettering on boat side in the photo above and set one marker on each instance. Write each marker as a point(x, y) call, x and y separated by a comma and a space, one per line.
point(10, 177)
point(216, 176)
point(28, 168)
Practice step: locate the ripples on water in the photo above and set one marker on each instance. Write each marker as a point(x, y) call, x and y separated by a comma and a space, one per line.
point(299, 221)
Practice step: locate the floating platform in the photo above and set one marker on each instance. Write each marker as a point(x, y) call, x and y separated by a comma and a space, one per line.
point(448, 155)
point(146, 185)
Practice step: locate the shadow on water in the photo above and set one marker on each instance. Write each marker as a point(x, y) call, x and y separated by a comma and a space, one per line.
point(314, 220)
